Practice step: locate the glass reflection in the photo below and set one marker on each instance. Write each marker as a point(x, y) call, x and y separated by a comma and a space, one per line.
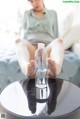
point(35, 96)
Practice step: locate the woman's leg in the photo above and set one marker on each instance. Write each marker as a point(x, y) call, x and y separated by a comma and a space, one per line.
point(56, 55)
point(25, 53)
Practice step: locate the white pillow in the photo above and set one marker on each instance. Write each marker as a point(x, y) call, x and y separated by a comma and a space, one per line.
point(71, 36)
point(65, 24)
point(76, 48)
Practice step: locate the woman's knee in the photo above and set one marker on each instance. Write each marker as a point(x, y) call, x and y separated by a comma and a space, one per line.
point(17, 41)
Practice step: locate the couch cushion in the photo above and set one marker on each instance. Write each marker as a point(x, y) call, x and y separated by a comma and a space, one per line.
point(71, 68)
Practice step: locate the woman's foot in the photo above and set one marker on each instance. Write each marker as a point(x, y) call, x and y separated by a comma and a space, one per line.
point(54, 68)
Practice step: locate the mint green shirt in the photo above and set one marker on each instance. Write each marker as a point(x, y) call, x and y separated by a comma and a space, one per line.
point(48, 24)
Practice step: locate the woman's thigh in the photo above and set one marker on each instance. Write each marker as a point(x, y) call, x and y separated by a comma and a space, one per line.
point(52, 46)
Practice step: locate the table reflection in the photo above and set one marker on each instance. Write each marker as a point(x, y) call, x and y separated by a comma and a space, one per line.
point(22, 99)
point(48, 95)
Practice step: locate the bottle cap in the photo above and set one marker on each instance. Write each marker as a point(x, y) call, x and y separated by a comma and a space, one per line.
point(41, 45)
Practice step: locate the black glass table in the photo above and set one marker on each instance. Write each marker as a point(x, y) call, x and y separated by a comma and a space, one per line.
point(61, 100)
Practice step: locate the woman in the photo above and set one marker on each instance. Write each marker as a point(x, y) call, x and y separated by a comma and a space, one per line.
point(40, 25)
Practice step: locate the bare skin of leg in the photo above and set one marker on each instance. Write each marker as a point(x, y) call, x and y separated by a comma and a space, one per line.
point(26, 54)
point(55, 57)
point(26, 57)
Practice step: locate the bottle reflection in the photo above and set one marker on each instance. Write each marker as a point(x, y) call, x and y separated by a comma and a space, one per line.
point(41, 94)
point(35, 95)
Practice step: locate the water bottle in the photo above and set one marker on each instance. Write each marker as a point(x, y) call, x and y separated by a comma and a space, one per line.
point(41, 80)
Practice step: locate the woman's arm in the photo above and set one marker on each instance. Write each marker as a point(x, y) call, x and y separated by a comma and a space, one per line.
point(55, 26)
